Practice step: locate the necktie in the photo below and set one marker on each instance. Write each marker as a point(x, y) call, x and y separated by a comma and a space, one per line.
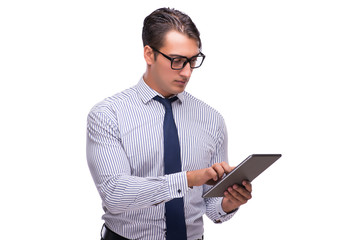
point(174, 209)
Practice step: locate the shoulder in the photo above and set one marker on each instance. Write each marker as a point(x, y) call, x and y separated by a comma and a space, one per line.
point(199, 104)
point(202, 109)
point(115, 100)
point(110, 105)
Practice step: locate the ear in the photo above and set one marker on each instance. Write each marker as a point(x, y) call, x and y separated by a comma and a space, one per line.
point(149, 55)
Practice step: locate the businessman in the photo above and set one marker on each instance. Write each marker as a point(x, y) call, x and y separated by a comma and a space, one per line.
point(154, 149)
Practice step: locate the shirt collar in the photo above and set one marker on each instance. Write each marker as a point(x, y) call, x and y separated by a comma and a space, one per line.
point(146, 93)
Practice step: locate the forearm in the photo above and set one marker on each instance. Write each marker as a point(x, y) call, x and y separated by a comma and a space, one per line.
point(126, 193)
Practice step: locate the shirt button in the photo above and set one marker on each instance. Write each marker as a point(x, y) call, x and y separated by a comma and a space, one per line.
point(179, 191)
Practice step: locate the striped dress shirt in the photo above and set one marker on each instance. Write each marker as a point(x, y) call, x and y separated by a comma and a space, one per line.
point(125, 157)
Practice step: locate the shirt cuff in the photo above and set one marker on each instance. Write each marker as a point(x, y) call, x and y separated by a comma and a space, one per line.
point(221, 215)
point(177, 184)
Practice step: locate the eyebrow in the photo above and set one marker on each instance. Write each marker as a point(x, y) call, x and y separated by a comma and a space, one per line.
point(177, 55)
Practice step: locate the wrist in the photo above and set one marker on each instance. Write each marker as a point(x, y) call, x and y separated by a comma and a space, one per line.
point(189, 179)
point(231, 211)
point(228, 208)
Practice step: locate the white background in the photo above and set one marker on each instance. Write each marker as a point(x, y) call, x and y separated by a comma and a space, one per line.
point(282, 73)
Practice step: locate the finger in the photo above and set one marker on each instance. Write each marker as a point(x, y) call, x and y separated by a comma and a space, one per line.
point(226, 167)
point(218, 168)
point(212, 174)
point(230, 196)
point(235, 196)
point(242, 192)
point(247, 186)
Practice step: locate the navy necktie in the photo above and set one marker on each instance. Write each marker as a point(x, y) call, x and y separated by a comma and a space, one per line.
point(174, 209)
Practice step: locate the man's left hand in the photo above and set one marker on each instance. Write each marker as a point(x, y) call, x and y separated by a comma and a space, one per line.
point(235, 196)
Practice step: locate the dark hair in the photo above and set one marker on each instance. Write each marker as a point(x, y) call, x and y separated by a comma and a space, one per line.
point(163, 20)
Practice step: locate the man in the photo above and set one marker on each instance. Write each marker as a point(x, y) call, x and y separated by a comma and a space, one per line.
point(153, 149)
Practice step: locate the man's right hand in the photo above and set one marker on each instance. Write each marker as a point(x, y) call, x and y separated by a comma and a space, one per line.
point(208, 175)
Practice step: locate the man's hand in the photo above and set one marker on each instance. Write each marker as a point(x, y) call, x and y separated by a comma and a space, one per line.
point(208, 175)
point(235, 196)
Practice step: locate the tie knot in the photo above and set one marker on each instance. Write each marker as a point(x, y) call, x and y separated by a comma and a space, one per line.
point(165, 101)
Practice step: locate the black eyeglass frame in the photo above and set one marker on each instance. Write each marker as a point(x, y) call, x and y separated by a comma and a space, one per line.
point(188, 60)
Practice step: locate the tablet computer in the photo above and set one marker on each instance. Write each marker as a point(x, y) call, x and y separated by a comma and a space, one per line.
point(248, 169)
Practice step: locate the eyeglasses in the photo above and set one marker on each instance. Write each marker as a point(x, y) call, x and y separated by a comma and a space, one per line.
point(179, 62)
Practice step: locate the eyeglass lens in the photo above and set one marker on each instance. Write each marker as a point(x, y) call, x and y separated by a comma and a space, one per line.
point(179, 62)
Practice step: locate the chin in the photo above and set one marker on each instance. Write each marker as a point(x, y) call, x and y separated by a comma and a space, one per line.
point(179, 91)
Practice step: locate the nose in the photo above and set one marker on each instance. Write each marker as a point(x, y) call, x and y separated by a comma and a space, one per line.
point(186, 71)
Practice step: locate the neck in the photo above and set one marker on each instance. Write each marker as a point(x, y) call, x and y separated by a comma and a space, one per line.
point(150, 81)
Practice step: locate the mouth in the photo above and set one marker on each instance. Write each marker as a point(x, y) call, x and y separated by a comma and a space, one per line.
point(181, 82)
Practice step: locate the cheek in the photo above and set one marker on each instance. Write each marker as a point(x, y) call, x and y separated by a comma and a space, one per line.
point(167, 74)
